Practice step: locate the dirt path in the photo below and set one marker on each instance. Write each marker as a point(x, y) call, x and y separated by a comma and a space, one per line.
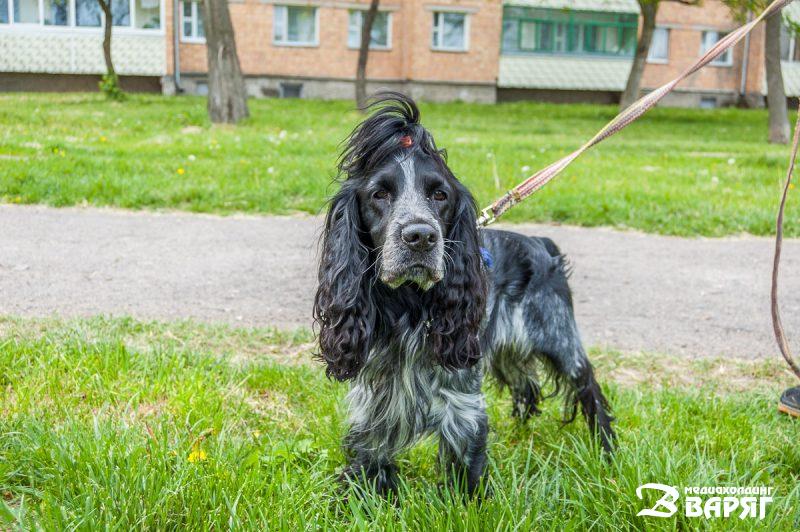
point(632, 291)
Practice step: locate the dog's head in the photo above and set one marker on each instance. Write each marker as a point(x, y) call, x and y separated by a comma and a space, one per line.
point(401, 216)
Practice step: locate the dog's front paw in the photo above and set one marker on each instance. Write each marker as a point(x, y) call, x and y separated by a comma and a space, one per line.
point(381, 480)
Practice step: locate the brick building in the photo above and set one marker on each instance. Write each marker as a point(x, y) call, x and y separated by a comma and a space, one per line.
point(585, 53)
point(471, 50)
point(442, 50)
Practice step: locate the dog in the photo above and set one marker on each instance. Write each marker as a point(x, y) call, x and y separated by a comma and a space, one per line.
point(415, 305)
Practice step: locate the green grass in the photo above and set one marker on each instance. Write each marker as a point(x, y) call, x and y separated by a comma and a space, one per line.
point(682, 172)
point(119, 424)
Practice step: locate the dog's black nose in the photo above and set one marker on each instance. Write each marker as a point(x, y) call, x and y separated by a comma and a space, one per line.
point(419, 237)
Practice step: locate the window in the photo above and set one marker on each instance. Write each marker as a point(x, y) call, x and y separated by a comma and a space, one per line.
point(87, 13)
point(380, 36)
point(141, 14)
point(449, 31)
point(295, 26)
point(790, 45)
point(659, 46)
point(192, 28)
point(535, 30)
point(291, 90)
point(147, 14)
point(709, 39)
point(121, 12)
point(56, 12)
point(27, 11)
point(708, 102)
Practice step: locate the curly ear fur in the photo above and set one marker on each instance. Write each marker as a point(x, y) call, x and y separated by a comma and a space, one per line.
point(341, 304)
point(460, 298)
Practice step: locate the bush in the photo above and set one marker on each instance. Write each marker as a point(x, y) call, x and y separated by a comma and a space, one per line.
point(109, 85)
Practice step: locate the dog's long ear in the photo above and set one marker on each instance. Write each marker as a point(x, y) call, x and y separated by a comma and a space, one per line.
point(341, 306)
point(460, 298)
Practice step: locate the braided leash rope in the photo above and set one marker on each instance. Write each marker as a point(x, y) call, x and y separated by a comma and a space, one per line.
point(623, 119)
point(777, 324)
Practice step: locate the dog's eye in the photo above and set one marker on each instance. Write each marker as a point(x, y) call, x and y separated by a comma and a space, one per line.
point(439, 195)
point(381, 194)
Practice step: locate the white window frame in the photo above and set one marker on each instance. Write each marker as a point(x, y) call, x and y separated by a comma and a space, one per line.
point(72, 22)
point(196, 13)
point(659, 60)
point(792, 44)
point(726, 59)
point(283, 10)
point(387, 46)
point(437, 47)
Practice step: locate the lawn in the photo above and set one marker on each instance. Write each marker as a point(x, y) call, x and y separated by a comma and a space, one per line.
point(682, 172)
point(119, 424)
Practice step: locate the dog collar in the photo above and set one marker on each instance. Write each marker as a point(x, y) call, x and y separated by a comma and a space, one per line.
point(488, 260)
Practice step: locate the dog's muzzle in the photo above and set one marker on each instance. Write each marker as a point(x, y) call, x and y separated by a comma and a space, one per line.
point(414, 254)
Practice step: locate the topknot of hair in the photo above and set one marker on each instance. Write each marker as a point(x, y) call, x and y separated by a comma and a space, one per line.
point(393, 125)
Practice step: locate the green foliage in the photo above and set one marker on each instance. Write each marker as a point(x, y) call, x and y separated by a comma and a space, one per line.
point(675, 171)
point(118, 424)
point(109, 85)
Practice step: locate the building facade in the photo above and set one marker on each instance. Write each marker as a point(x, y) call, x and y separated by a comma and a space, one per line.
point(567, 50)
point(57, 44)
point(469, 50)
point(442, 50)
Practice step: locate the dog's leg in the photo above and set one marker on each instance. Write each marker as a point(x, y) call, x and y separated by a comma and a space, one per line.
point(526, 400)
point(594, 406)
point(462, 426)
point(552, 332)
point(565, 352)
point(371, 472)
point(507, 369)
point(381, 425)
point(464, 458)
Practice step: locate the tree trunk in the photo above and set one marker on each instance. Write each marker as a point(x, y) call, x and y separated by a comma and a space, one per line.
point(649, 9)
point(368, 19)
point(109, 23)
point(227, 97)
point(776, 96)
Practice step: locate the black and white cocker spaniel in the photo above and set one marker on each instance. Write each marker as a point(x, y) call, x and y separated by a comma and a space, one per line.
point(415, 305)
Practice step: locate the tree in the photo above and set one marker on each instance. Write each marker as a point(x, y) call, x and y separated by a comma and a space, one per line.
point(227, 97)
point(110, 82)
point(367, 21)
point(776, 95)
point(649, 9)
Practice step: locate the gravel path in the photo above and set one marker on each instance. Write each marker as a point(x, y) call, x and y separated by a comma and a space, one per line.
point(633, 291)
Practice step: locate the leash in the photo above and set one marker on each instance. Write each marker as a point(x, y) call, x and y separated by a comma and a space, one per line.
point(519, 193)
point(777, 324)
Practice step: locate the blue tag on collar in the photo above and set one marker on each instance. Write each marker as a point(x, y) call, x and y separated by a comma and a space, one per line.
point(487, 258)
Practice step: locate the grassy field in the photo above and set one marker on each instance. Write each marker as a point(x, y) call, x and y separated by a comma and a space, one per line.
point(683, 172)
point(117, 424)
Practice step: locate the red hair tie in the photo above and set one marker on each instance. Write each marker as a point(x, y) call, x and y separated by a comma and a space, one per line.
point(406, 142)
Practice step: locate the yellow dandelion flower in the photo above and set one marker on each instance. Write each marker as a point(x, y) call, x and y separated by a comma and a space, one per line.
point(791, 186)
point(103, 138)
point(197, 455)
point(181, 171)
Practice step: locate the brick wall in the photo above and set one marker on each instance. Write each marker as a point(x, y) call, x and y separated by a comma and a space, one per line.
point(410, 56)
point(686, 24)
